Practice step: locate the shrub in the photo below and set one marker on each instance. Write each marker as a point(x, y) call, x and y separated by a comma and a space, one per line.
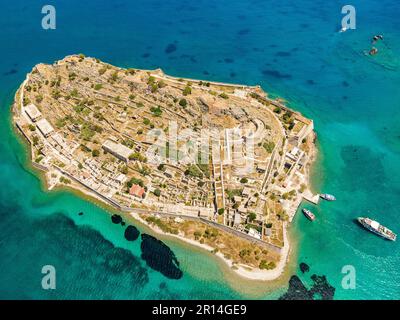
point(156, 111)
point(269, 146)
point(183, 102)
point(252, 216)
point(187, 90)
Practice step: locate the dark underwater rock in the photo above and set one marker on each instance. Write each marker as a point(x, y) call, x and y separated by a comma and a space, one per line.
point(115, 218)
point(296, 290)
point(131, 233)
point(80, 213)
point(322, 288)
point(304, 267)
point(170, 48)
point(160, 257)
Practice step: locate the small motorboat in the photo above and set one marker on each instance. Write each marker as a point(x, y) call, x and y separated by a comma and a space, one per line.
point(327, 197)
point(344, 29)
point(373, 51)
point(309, 214)
point(377, 37)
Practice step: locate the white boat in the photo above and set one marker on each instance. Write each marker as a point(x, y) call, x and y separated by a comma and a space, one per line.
point(377, 228)
point(327, 197)
point(309, 214)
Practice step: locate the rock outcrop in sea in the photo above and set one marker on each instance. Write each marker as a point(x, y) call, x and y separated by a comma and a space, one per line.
point(160, 257)
point(131, 233)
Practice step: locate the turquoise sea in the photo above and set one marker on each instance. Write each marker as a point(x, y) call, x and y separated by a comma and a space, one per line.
point(291, 48)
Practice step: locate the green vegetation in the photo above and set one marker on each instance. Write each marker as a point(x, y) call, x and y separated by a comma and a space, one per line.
point(138, 156)
point(269, 146)
point(39, 98)
point(267, 265)
point(98, 86)
point(187, 90)
point(244, 180)
point(157, 192)
point(124, 169)
point(205, 169)
point(38, 159)
point(193, 171)
point(114, 76)
point(89, 130)
point(32, 127)
point(146, 121)
point(102, 70)
point(95, 153)
point(289, 195)
point(65, 180)
point(221, 211)
point(252, 216)
point(133, 181)
point(160, 224)
point(197, 235)
point(233, 192)
point(278, 110)
point(183, 102)
point(224, 95)
point(156, 111)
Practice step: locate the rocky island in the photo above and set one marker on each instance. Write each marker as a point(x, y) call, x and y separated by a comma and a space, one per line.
point(218, 165)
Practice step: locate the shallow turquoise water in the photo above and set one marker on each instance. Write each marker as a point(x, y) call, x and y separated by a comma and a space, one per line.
point(293, 50)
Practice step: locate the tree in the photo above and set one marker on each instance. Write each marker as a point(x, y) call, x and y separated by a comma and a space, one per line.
point(95, 153)
point(187, 90)
point(197, 235)
point(221, 211)
point(156, 111)
point(252, 216)
point(269, 146)
point(183, 102)
point(244, 180)
point(157, 192)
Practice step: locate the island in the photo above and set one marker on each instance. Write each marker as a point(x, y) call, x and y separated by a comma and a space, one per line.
point(218, 165)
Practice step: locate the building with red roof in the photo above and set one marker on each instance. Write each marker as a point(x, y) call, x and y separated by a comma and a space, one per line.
point(137, 191)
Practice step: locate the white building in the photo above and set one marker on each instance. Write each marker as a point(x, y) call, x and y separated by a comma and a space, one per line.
point(118, 150)
point(33, 112)
point(45, 127)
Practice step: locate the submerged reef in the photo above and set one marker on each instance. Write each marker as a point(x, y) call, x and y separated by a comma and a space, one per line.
point(160, 257)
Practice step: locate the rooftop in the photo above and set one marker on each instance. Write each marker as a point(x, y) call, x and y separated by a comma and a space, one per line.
point(118, 148)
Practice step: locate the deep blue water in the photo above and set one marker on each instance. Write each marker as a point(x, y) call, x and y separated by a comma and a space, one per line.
point(293, 49)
